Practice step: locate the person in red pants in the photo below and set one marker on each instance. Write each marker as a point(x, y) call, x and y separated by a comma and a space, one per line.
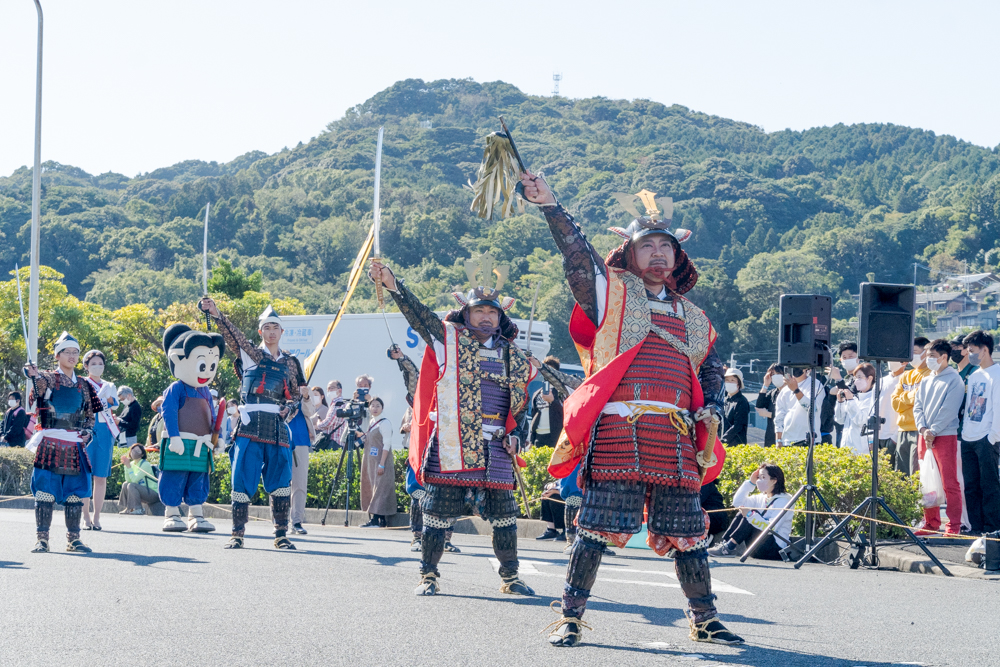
point(935, 413)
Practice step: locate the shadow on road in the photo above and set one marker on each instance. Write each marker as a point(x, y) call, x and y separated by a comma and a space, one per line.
point(748, 655)
point(11, 565)
point(143, 561)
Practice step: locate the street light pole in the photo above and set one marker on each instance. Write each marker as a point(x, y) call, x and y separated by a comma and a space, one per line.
point(36, 197)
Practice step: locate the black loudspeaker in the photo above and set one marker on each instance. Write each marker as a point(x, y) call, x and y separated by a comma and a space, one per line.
point(886, 321)
point(804, 325)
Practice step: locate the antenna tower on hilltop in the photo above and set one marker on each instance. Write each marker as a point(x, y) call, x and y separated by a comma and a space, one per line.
point(556, 78)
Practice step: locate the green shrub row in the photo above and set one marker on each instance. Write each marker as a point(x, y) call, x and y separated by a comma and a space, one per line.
point(842, 477)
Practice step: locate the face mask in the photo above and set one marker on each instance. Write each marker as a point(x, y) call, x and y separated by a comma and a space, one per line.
point(974, 358)
point(895, 365)
point(932, 363)
point(915, 361)
point(778, 380)
point(762, 486)
point(850, 364)
point(11, 402)
point(732, 388)
point(956, 356)
point(135, 454)
point(316, 400)
point(231, 410)
point(861, 383)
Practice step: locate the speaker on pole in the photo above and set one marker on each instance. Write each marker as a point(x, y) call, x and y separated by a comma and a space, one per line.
point(886, 321)
point(804, 326)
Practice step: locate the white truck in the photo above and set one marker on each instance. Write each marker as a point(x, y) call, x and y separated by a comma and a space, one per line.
point(358, 346)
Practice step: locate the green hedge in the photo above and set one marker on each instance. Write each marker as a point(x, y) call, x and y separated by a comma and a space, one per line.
point(16, 467)
point(843, 477)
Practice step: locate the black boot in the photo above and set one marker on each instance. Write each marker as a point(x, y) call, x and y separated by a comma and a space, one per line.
point(505, 548)
point(432, 548)
point(280, 508)
point(581, 573)
point(73, 511)
point(696, 583)
point(372, 522)
point(241, 514)
point(43, 521)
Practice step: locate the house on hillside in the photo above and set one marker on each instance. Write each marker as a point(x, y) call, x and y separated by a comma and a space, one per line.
point(979, 319)
point(972, 283)
point(946, 302)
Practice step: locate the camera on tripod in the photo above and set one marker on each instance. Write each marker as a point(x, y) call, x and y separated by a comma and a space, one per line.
point(355, 410)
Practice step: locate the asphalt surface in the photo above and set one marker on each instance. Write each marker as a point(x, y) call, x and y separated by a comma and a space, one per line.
point(345, 598)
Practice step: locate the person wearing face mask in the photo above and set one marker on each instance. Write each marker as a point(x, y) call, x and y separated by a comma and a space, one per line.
point(228, 432)
point(101, 447)
point(736, 415)
point(757, 512)
point(854, 408)
point(129, 421)
point(981, 435)
point(318, 398)
point(831, 429)
point(792, 409)
point(935, 414)
point(903, 395)
point(154, 434)
point(15, 422)
point(774, 380)
point(140, 486)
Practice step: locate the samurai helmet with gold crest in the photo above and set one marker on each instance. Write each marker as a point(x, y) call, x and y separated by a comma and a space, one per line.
point(486, 278)
point(656, 220)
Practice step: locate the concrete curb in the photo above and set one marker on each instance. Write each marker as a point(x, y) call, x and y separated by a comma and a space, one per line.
point(904, 561)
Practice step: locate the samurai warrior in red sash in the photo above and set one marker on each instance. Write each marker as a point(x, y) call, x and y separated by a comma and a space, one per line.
point(639, 425)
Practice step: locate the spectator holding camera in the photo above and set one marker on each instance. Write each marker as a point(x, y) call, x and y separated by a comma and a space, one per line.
point(331, 428)
point(981, 435)
point(830, 427)
point(757, 512)
point(937, 400)
point(774, 380)
point(547, 420)
point(856, 408)
point(905, 459)
point(791, 416)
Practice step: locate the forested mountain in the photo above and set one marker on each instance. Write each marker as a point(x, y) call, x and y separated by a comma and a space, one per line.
point(811, 211)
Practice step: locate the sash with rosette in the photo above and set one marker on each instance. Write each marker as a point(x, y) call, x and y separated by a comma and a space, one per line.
point(109, 418)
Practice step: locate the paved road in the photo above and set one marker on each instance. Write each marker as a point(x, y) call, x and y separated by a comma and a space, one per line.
point(147, 597)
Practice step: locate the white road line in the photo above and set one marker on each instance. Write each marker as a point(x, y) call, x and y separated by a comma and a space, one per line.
point(530, 568)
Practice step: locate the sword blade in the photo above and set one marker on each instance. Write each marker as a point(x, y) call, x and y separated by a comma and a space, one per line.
point(20, 303)
point(520, 485)
point(377, 210)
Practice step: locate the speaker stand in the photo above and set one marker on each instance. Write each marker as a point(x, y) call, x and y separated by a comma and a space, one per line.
point(872, 504)
point(810, 490)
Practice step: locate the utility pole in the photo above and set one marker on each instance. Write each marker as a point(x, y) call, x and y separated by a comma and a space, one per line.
point(36, 200)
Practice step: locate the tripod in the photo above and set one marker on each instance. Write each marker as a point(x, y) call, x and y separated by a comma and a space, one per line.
point(348, 452)
point(809, 489)
point(873, 503)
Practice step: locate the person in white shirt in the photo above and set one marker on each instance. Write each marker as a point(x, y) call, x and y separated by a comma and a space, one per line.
point(791, 420)
point(757, 512)
point(888, 431)
point(981, 436)
point(854, 409)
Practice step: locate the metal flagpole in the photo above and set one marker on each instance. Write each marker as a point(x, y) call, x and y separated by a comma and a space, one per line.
point(204, 268)
point(36, 200)
point(531, 318)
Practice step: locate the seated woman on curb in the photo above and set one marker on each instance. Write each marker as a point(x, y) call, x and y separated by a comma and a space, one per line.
point(757, 512)
point(140, 483)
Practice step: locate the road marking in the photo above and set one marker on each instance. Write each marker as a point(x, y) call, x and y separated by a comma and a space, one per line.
point(530, 568)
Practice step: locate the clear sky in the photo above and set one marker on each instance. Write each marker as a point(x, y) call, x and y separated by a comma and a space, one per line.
point(132, 85)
